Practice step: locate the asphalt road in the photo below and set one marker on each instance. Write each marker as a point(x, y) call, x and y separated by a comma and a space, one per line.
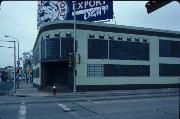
point(166, 107)
point(5, 87)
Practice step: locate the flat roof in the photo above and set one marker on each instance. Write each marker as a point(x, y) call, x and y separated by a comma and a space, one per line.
point(96, 26)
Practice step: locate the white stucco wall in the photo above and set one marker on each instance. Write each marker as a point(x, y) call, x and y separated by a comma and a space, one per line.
point(82, 38)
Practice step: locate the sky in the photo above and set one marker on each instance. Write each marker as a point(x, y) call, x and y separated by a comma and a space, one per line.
point(19, 19)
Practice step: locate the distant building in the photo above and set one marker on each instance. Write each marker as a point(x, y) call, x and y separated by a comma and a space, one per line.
point(111, 56)
point(10, 72)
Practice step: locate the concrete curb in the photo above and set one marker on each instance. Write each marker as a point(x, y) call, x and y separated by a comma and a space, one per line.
point(9, 92)
point(30, 95)
point(76, 99)
point(99, 94)
point(111, 94)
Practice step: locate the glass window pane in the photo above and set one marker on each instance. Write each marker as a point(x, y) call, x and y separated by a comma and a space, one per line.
point(126, 70)
point(123, 50)
point(66, 44)
point(169, 69)
point(97, 49)
point(52, 48)
point(94, 70)
point(169, 48)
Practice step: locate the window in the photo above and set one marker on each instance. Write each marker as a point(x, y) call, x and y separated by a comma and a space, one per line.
point(97, 49)
point(66, 44)
point(48, 36)
point(126, 70)
point(175, 48)
point(52, 48)
point(111, 37)
point(36, 54)
point(91, 36)
point(145, 40)
point(123, 50)
point(119, 50)
point(57, 35)
point(95, 70)
point(119, 38)
point(101, 37)
point(69, 35)
point(136, 39)
point(169, 69)
point(129, 39)
point(36, 73)
point(169, 48)
point(42, 49)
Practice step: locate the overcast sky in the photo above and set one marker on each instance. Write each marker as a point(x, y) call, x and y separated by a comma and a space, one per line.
point(19, 19)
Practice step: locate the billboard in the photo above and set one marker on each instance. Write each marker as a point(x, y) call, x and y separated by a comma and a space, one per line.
point(64, 10)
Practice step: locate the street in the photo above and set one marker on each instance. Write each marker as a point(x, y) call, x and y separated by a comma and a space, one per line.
point(154, 107)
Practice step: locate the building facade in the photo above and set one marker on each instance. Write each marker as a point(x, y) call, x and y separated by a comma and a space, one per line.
point(110, 56)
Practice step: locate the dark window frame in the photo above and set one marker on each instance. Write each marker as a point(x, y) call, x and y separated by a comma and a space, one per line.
point(169, 48)
point(117, 70)
point(169, 70)
point(97, 49)
point(124, 50)
point(95, 70)
point(52, 48)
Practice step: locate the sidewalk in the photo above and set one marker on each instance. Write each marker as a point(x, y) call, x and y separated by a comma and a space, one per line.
point(27, 89)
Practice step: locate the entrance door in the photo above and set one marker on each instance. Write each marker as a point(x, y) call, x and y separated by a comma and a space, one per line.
point(57, 73)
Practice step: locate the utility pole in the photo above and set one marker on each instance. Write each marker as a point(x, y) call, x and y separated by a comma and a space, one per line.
point(14, 66)
point(14, 61)
point(18, 54)
point(74, 50)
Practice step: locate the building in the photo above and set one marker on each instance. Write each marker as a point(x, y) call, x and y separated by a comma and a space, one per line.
point(10, 72)
point(111, 56)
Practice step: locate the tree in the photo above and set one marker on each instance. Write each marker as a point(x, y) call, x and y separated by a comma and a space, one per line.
point(4, 75)
point(27, 59)
point(27, 65)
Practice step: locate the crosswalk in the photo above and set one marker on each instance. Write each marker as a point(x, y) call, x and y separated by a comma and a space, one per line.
point(40, 110)
point(65, 108)
point(30, 111)
point(59, 107)
point(22, 111)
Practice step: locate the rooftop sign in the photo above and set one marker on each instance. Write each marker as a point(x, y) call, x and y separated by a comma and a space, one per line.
point(64, 10)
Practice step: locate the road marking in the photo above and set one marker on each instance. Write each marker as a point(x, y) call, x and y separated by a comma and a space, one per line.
point(22, 111)
point(64, 107)
point(73, 113)
point(85, 108)
point(134, 100)
point(97, 102)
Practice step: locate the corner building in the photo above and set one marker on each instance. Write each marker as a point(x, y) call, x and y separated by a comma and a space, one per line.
point(111, 56)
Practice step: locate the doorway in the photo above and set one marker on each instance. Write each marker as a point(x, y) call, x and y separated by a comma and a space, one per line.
point(57, 73)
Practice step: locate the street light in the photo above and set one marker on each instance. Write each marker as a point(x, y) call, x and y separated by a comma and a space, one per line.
point(74, 51)
point(14, 62)
point(17, 42)
point(18, 53)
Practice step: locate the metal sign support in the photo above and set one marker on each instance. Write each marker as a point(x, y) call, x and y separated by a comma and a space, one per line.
point(74, 50)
